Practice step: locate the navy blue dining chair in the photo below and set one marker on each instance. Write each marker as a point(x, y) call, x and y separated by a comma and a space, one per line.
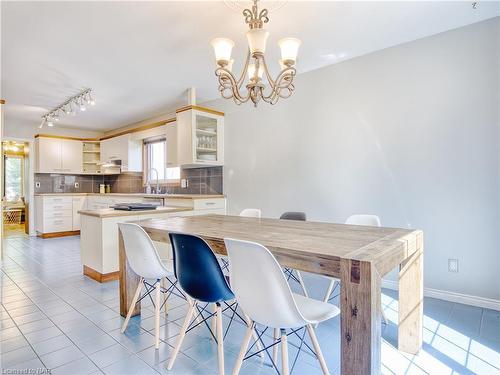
point(201, 278)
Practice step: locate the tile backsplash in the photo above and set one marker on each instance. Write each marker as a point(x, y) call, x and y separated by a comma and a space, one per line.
point(200, 181)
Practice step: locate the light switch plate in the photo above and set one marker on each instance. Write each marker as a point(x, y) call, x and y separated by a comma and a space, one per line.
point(184, 183)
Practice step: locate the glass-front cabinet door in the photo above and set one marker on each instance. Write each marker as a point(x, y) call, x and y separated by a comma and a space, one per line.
point(206, 130)
point(200, 137)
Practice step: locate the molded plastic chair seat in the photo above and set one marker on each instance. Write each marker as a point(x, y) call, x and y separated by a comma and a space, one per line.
point(142, 256)
point(169, 265)
point(315, 311)
point(265, 297)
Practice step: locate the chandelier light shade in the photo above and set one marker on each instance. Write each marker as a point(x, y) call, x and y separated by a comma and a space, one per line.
point(80, 101)
point(260, 84)
point(223, 48)
point(289, 50)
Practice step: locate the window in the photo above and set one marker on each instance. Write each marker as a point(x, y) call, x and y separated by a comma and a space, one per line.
point(156, 161)
point(13, 178)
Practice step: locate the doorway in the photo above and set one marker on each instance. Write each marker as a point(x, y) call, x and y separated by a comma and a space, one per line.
point(15, 204)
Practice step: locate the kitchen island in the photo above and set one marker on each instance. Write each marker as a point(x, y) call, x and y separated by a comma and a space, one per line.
point(99, 237)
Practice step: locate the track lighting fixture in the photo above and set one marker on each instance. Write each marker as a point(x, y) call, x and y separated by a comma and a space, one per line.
point(79, 101)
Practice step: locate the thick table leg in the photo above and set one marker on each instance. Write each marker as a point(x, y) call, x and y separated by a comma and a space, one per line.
point(128, 282)
point(411, 303)
point(360, 318)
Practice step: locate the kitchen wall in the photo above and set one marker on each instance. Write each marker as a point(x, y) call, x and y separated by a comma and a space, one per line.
point(410, 133)
point(200, 181)
point(14, 128)
point(58, 183)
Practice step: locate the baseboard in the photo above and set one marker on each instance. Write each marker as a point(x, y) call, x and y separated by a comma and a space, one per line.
point(59, 234)
point(466, 299)
point(100, 277)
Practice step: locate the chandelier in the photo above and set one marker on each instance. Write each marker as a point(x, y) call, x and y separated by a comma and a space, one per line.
point(255, 65)
point(80, 101)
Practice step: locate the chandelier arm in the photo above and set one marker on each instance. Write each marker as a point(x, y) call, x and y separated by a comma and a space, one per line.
point(245, 70)
point(227, 82)
point(268, 75)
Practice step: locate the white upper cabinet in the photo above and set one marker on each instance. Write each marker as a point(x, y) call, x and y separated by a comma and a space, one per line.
point(72, 156)
point(171, 135)
point(123, 148)
point(56, 155)
point(200, 137)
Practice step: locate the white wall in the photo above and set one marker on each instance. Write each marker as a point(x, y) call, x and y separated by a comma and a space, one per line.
point(27, 130)
point(410, 133)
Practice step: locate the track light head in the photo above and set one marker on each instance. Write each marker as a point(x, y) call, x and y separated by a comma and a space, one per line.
point(79, 101)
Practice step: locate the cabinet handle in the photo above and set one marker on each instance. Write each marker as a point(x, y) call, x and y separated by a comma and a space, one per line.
point(58, 221)
point(209, 203)
point(58, 213)
point(57, 207)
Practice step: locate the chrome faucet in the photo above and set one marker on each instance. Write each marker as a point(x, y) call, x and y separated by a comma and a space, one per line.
point(157, 180)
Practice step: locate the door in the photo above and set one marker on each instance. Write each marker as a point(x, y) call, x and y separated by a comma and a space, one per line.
point(49, 155)
point(72, 156)
point(171, 135)
point(78, 204)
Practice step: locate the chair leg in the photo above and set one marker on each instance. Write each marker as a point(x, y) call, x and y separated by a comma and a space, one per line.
point(213, 323)
point(157, 313)
point(302, 284)
point(317, 349)
point(131, 308)
point(244, 347)
point(284, 354)
point(185, 325)
point(220, 339)
point(275, 347)
point(255, 337)
point(165, 303)
point(329, 291)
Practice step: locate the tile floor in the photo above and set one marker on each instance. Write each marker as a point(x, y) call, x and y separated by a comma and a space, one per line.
point(54, 318)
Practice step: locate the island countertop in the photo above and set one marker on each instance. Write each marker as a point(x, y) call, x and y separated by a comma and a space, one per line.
point(109, 212)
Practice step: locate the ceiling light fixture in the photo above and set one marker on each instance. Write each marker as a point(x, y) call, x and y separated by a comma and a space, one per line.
point(79, 100)
point(255, 65)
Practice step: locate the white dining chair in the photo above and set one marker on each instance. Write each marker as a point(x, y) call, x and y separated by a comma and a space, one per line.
point(360, 219)
point(144, 260)
point(264, 295)
point(251, 212)
point(292, 274)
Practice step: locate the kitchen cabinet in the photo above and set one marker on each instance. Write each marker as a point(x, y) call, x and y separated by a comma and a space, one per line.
point(171, 136)
point(57, 155)
point(123, 148)
point(54, 214)
point(200, 137)
point(79, 203)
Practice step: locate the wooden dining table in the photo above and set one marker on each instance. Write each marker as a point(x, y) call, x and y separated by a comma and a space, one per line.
point(357, 255)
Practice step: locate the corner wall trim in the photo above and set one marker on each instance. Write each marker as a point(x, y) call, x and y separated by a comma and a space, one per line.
point(487, 303)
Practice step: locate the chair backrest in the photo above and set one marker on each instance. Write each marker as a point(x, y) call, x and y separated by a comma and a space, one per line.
point(293, 216)
point(260, 287)
point(251, 212)
point(368, 220)
point(197, 269)
point(141, 252)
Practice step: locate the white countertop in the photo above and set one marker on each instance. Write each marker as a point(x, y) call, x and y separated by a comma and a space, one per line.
point(109, 212)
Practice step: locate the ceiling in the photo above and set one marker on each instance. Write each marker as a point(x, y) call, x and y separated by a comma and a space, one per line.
point(140, 57)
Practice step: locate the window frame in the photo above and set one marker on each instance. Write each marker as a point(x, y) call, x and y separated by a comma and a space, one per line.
point(21, 158)
point(147, 162)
